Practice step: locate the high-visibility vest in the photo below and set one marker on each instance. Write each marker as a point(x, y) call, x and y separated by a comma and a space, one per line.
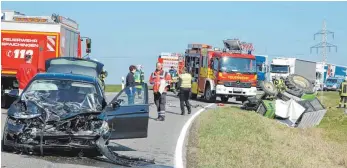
point(137, 77)
point(186, 80)
point(155, 79)
point(343, 89)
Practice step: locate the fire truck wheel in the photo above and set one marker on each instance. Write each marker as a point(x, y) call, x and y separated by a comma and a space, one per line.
point(224, 99)
point(209, 96)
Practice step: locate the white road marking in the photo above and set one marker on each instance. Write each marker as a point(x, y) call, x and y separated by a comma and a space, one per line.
point(180, 141)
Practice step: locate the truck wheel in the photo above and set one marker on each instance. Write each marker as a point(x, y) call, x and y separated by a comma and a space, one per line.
point(300, 82)
point(269, 88)
point(224, 99)
point(209, 96)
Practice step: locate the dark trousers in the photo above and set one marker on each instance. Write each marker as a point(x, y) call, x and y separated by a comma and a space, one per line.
point(160, 102)
point(184, 99)
point(343, 101)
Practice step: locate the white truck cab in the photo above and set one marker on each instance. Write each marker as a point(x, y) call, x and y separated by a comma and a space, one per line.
point(281, 67)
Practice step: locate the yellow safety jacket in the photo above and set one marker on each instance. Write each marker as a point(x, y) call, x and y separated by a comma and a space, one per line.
point(343, 89)
point(185, 80)
point(138, 78)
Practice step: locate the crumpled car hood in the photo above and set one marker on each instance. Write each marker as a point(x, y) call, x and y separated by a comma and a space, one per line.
point(34, 104)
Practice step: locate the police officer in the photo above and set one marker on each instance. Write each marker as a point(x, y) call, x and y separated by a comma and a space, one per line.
point(185, 85)
point(343, 93)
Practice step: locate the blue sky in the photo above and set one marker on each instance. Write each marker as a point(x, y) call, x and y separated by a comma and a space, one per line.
point(138, 31)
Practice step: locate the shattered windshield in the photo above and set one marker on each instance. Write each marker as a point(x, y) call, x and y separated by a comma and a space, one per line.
point(242, 65)
point(62, 90)
point(60, 99)
point(279, 68)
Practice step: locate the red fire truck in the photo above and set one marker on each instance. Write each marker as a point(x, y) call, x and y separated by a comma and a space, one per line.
point(224, 74)
point(172, 59)
point(43, 37)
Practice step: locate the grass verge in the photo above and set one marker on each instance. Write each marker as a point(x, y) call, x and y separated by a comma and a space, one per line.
point(118, 88)
point(113, 88)
point(230, 137)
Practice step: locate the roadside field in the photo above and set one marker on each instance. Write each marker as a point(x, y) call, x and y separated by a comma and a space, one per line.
point(118, 88)
point(231, 137)
point(113, 88)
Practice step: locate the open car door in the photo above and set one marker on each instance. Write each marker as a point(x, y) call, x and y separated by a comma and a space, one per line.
point(128, 113)
point(74, 65)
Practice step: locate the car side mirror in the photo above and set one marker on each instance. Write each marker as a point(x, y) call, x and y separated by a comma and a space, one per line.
point(14, 93)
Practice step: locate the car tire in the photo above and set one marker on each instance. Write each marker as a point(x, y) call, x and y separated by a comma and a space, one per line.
point(3, 146)
point(269, 88)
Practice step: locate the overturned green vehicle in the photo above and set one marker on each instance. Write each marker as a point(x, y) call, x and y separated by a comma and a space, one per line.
point(294, 96)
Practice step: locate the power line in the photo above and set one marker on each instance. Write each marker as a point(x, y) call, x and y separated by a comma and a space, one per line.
point(323, 45)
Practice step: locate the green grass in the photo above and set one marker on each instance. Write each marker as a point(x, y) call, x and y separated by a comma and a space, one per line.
point(334, 122)
point(113, 88)
point(117, 88)
point(231, 137)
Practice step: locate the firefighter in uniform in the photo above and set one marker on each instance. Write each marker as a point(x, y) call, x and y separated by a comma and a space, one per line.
point(139, 78)
point(174, 76)
point(185, 85)
point(343, 93)
point(160, 81)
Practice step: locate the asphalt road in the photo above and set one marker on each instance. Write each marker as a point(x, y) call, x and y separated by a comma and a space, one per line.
point(160, 144)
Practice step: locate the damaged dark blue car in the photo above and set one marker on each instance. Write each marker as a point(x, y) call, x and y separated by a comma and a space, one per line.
point(68, 111)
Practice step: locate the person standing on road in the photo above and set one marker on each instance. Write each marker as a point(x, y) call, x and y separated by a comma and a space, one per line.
point(160, 81)
point(25, 73)
point(139, 77)
point(343, 93)
point(185, 85)
point(174, 75)
point(130, 84)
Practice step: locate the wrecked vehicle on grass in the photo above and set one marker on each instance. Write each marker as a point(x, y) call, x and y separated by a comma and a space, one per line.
point(69, 112)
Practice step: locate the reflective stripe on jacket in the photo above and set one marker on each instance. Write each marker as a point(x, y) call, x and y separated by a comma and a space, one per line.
point(186, 80)
point(156, 77)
